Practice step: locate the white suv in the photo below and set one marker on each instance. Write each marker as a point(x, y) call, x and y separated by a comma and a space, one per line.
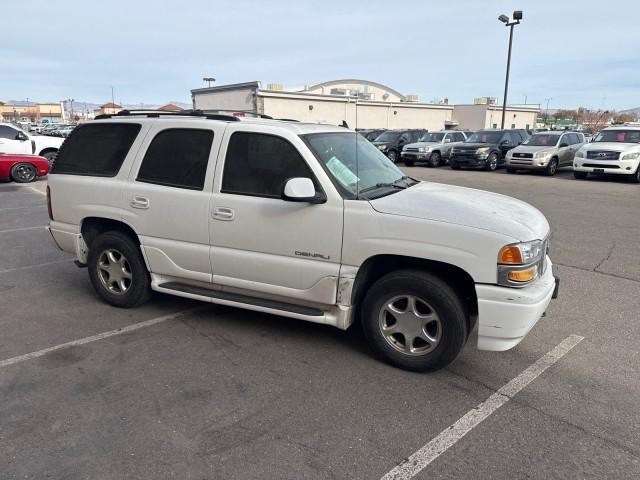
point(15, 140)
point(615, 150)
point(305, 221)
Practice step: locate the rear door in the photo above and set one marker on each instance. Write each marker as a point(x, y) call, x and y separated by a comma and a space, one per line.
point(168, 194)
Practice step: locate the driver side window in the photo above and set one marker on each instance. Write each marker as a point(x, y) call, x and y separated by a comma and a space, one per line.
point(8, 132)
point(259, 165)
point(506, 139)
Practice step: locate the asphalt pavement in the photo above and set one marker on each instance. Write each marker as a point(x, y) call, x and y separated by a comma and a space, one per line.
point(211, 392)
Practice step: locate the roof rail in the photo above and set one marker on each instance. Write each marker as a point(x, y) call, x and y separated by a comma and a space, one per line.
point(159, 113)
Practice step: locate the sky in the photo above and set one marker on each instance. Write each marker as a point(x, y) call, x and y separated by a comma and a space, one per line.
point(574, 52)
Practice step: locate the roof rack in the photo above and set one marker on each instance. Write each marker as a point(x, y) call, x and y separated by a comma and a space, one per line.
point(159, 113)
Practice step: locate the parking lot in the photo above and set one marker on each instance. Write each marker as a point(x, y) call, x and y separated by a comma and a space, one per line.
point(195, 391)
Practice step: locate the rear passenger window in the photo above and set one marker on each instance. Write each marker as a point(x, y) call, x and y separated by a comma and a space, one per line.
point(259, 165)
point(97, 149)
point(177, 157)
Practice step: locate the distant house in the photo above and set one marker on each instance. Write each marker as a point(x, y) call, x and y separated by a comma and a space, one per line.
point(108, 109)
point(170, 107)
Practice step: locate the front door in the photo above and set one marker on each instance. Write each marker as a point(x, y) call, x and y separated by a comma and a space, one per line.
point(168, 195)
point(10, 142)
point(264, 244)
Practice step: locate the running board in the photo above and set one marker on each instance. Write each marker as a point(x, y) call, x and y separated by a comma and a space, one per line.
point(244, 299)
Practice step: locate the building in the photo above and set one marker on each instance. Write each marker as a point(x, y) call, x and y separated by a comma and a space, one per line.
point(108, 109)
point(489, 115)
point(170, 107)
point(32, 112)
point(361, 103)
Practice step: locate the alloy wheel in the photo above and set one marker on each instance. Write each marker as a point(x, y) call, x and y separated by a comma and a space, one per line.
point(410, 325)
point(25, 173)
point(114, 271)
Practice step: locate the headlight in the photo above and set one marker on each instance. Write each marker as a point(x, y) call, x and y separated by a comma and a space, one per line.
point(483, 150)
point(580, 153)
point(421, 149)
point(382, 147)
point(542, 154)
point(519, 264)
point(631, 156)
point(404, 149)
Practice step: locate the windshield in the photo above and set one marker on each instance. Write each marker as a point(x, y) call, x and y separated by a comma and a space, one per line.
point(485, 137)
point(618, 136)
point(353, 172)
point(542, 140)
point(432, 137)
point(373, 135)
point(388, 137)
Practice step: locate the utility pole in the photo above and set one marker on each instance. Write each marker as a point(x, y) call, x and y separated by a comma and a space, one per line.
point(546, 112)
point(517, 16)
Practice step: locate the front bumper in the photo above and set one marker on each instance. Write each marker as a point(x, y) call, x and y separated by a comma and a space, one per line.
point(506, 315)
point(613, 167)
point(527, 163)
point(415, 156)
point(476, 160)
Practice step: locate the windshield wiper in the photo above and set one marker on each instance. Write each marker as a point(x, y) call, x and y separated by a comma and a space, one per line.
point(394, 184)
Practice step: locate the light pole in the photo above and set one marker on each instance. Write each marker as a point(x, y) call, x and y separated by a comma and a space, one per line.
point(208, 80)
point(546, 112)
point(517, 16)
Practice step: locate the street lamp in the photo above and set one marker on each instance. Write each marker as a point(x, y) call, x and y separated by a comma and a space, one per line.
point(517, 16)
point(208, 80)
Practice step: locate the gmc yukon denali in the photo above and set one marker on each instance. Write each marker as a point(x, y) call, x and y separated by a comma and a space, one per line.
point(306, 221)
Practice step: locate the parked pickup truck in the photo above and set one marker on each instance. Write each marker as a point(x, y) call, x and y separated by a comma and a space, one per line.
point(15, 140)
point(306, 221)
point(433, 148)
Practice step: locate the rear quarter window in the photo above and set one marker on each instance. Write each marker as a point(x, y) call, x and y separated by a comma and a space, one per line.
point(96, 149)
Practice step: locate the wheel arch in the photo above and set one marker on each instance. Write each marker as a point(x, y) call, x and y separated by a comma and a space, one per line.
point(48, 150)
point(376, 266)
point(92, 227)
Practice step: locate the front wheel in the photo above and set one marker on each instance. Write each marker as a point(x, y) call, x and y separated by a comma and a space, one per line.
point(552, 167)
point(492, 162)
point(434, 160)
point(393, 156)
point(414, 320)
point(635, 178)
point(117, 270)
point(24, 172)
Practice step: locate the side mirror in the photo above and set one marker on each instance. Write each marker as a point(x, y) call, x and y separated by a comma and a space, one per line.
point(505, 143)
point(447, 140)
point(563, 145)
point(21, 136)
point(301, 189)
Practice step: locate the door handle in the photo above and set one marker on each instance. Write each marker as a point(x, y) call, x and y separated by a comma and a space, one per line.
point(139, 202)
point(223, 213)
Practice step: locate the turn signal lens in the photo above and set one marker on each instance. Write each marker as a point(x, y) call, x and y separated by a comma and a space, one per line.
point(510, 255)
point(524, 275)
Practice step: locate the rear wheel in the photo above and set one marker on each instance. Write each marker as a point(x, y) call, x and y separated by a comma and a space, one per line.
point(434, 160)
point(580, 175)
point(24, 172)
point(414, 320)
point(552, 167)
point(117, 270)
point(492, 162)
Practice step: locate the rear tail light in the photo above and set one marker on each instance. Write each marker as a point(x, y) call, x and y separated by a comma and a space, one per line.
point(49, 203)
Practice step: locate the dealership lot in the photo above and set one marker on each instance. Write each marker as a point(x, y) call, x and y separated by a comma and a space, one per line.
point(214, 392)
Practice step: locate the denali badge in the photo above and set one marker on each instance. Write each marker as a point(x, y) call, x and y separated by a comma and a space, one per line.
point(312, 255)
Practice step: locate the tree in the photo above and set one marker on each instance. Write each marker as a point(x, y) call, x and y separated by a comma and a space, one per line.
point(624, 117)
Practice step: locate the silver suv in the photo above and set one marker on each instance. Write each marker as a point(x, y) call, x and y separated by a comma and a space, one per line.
point(433, 148)
point(545, 151)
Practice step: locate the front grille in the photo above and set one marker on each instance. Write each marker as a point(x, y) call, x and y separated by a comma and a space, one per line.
point(598, 165)
point(410, 149)
point(522, 155)
point(517, 161)
point(603, 155)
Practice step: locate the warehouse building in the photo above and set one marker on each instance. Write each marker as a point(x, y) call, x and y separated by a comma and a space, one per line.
point(361, 103)
point(485, 113)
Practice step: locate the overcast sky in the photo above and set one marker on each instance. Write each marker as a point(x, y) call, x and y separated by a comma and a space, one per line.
point(579, 53)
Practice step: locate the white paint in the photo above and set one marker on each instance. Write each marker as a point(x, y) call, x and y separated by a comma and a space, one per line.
point(22, 229)
point(448, 437)
point(94, 338)
point(35, 189)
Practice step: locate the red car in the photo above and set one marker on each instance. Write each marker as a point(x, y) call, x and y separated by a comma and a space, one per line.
point(22, 168)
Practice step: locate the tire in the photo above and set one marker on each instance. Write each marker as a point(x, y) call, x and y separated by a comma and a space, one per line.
point(409, 163)
point(114, 258)
point(635, 178)
point(391, 297)
point(552, 167)
point(24, 172)
point(492, 162)
point(51, 157)
point(393, 156)
point(511, 170)
point(580, 175)
point(435, 159)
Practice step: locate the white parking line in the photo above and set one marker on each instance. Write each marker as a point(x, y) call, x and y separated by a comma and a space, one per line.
point(22, 229)
point(28, 267)
point(94, 338)
point(448, 437)
point(40, 205)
